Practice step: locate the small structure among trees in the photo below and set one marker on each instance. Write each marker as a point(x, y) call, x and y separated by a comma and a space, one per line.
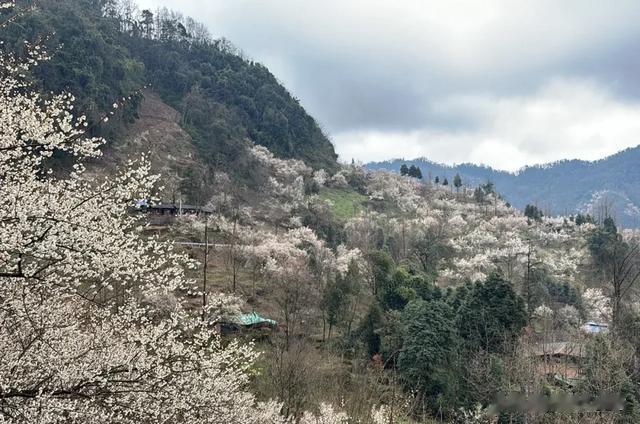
point(593, 327)
point(561, 361)
point(251, 322)
point(172, 208)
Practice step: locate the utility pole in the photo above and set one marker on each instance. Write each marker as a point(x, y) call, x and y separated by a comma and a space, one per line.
point(204, 276)
point(404, 241)
point(528, 280)
point(234, 242)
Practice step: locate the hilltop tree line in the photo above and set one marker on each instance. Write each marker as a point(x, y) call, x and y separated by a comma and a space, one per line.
point(412, 171)
point(415, 172)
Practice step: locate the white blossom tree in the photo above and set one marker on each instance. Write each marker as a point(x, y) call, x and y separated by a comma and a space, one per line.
point(326, 415)
point(283, 188)
point(297, 266)
point(596, 305)
point(91, 330)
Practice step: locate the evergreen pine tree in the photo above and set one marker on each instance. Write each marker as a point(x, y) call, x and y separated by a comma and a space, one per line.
point(457, 182)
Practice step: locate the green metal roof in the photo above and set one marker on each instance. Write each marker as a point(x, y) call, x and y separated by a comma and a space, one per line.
point(253, 319)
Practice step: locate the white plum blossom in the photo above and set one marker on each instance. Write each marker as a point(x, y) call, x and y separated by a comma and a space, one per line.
point(91, 327)
point(339, 181)
point(596, 305)
point(326, 415)
point(403, 192)
point(568, 316)
point(346, 257)
point(320, 177)
point(457, 222)
point(543, 312)
point(282, 169)
point(284, 187)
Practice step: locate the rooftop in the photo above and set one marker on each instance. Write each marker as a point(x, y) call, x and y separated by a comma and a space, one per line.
point(253, 319)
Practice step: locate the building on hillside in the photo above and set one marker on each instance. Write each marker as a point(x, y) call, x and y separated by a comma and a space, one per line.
point(173, 209)
point(592, 327)
point(561, 362)
point(247, 323)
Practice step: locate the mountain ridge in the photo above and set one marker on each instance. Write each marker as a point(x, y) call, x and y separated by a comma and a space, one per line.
point(566, 186)
point(543, 165)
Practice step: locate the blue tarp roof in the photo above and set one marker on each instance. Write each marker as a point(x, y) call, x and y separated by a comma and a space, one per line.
point(595, 327)
point(253, 319)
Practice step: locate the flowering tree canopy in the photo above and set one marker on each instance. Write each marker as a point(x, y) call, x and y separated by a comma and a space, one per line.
point(90, 327)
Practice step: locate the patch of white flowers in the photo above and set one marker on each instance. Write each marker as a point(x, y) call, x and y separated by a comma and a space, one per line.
point(326, 415)
point(481, 238)
point(597, 305)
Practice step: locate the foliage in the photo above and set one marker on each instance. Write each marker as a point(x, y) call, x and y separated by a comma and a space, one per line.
point(404, 169)
point(223, 98)
point(533, 213)
point(369, 274)
point(412, 171)
point(491, 317)
point(99, 79)
point(415, 172)
point(604, 242)
point(222, 94)
point(404, 286)
point(429, 342)
point(618, 262)
point(457, 182)
point(369, 331)
point(583, 219)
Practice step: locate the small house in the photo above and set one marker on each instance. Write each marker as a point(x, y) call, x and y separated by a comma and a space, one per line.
point(172, 209)
point(593, 327)
point(245, 323)
point(561, 361)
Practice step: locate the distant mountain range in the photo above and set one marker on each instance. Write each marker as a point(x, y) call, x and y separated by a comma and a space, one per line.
point(563, 187)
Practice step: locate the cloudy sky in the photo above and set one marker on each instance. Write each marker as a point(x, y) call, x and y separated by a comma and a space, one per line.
point(499, 82)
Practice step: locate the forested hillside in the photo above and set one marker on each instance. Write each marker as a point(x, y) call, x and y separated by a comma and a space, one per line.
point(565, 187)
point(106, 51)
point(422, 301)
point(290, 294)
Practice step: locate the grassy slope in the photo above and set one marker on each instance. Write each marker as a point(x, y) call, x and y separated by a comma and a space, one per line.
point(346, 202)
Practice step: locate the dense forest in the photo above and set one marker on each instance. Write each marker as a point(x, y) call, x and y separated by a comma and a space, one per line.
point(300, 291)
point(224, 99)
point(564, 187)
